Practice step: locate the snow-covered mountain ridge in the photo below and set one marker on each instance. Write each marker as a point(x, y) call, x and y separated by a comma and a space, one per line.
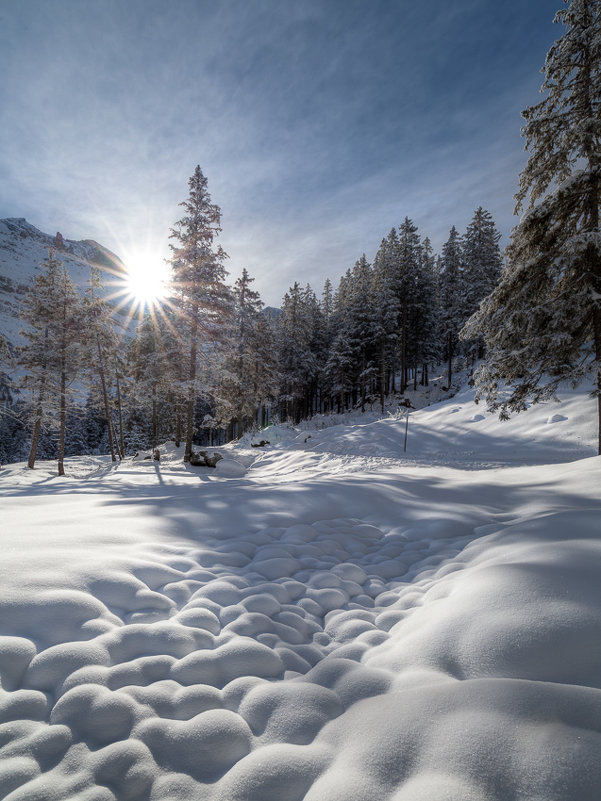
point(22, 249)
point(342, 620)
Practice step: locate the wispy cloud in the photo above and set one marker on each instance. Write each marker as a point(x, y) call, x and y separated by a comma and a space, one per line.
point(319, 125)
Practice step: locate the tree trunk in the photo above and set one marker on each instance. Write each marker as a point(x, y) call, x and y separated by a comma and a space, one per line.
point(382, 373)
point(191, 392)
point(363, 383)
point(450, 346)
point(154, 419)
point(597, 331)
point(121, 443)
point(63, 420)
point(37, 427)
point(105, 397)
point(178, 425)
point(404, 348)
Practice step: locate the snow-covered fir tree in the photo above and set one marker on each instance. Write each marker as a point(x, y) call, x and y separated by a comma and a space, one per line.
point(451, 297)
point(198, 275)
point(247, 371)
point(151, 375)
point(482, 263)
point(297, 363)
point(542, 324)
point(103, 344)
point(409, 260)
point(52, 357)
point(388, 310)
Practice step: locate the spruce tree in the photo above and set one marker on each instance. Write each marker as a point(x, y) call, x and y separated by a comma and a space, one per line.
point(198, 275)
point(451, 296)
point(103, 343)
point(482, 264)
point(246, 370)
point(388, 309)
point(52, 357)
point(297, 362)
point(542, 324)
point(35, 357)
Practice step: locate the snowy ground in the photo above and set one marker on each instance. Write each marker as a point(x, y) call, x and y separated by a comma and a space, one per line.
point(325, 619)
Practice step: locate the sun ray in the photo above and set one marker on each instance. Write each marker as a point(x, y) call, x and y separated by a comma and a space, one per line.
point(146, 280)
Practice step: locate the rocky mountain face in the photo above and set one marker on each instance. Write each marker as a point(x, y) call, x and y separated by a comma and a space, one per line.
point(23, 248)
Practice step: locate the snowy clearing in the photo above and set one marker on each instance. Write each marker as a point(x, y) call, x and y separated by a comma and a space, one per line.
point(324, 619)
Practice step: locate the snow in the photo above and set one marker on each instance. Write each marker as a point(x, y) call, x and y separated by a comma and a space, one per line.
point(23, 248)
point(325, 617)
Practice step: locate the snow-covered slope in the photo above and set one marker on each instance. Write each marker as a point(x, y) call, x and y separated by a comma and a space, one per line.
point(23, 247)
point(341, 621)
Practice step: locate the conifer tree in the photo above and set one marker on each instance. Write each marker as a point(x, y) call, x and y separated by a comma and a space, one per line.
point(198, 275)
point(297, 362)
point(542, 324)
point(410, 256)
point(451, 295)
point(103, 343)
point(67, 332)
point(388, 308)
point(482, 264)
point(150, 370)
point(52, 357)
point(37, 311)
point(247, 369)
point(362, 329)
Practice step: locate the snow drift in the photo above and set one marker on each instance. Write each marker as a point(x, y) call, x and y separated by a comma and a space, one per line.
point(330, 618)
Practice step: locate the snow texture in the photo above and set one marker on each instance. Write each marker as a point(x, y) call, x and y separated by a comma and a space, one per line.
point(330, 617)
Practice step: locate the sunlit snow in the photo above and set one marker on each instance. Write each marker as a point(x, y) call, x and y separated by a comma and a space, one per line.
point(325, 618)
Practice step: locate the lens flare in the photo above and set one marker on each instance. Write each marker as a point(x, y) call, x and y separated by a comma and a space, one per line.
point(147, 278)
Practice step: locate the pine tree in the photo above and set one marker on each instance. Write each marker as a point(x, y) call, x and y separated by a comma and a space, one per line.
point(451, 296)
point(247, 370)
point(410, 257)
point(482, 264)
point(198, 274)
point(68, 332)
point(423, 319)
point(387, 303)
point(150, 370)
point(362, 329)
point(542, 325)
point(52, 358)
point(37, 311)
point(297, 362)
point(103, 344)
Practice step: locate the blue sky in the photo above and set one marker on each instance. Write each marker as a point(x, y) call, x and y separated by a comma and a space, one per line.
point(320, 124)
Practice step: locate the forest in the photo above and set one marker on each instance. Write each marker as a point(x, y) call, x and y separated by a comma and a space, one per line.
point(211, 357)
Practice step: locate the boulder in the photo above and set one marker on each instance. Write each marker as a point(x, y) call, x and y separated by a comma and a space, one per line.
point(204, 459)
point(211, 461)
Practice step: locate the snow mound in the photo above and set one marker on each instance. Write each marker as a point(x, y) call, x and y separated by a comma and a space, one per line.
point(230, 468)
point(325, 627)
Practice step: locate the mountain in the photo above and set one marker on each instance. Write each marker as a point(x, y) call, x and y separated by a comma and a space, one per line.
point(22, 249)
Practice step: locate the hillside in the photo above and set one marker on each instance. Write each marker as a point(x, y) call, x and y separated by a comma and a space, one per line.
point(23, 247)
point(325, 617)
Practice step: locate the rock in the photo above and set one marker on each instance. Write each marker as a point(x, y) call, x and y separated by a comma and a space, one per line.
point(203, 459)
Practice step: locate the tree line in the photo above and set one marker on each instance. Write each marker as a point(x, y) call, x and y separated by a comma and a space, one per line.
point(208, 363)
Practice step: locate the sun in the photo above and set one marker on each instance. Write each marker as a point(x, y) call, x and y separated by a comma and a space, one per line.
point(147, 278)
